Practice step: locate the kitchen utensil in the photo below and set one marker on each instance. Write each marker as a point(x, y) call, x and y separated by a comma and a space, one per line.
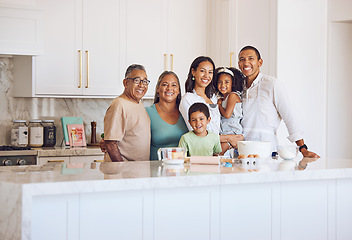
point(172, 155)
point(261, 148)
point(287, 152)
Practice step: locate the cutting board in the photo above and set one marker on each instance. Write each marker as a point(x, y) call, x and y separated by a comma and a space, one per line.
point(69, 120)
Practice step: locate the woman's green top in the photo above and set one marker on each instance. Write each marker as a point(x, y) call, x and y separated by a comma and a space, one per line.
point(163, 134)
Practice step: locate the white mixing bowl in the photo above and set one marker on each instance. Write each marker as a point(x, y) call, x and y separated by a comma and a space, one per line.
point(262, 148)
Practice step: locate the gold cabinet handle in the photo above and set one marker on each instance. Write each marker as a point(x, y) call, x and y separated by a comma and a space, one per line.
point(231, 54)
point(172, 62)
point(56, 161)
point(87, 85)
point(165, 61)
point(80, 69)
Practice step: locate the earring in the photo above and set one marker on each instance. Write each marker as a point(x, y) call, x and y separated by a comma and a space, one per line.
point(193, 78)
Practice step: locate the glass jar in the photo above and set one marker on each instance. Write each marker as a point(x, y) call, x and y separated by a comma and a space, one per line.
point(35, 128)
point(49, 133)
point(19, 133)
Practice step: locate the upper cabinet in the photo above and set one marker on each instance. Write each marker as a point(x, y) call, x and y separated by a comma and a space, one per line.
point(21, 30)
point(81, 49)
point(89, 44)
point(164, 35)
point(237, 23)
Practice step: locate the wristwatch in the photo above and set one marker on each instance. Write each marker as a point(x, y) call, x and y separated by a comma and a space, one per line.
point(303, 146)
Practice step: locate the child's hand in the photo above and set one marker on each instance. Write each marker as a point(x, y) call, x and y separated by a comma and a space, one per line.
point(220, 101)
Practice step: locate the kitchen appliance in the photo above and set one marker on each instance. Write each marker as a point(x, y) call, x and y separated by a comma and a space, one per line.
point(10, 155)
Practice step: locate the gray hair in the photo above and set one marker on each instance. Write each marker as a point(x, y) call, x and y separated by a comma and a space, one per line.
point(133, 67)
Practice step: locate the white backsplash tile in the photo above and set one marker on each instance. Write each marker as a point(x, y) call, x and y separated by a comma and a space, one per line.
point(46, 108)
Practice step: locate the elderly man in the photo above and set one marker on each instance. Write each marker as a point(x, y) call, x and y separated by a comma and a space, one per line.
point(265, 103)
point(126, 122)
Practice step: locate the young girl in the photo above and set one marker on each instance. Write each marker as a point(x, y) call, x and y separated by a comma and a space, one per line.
point(229, 84)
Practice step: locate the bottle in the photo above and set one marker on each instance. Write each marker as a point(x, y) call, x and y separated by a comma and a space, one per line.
point(19, 133)
point(93, 139)
point(35, 133)
point(49, 133)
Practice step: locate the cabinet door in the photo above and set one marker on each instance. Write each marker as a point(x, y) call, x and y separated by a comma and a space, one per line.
point(101, 43)
point(246, 211)
point(55, 217)
point(187, 34)
point(44, 160)
point(21, 31)
point(85, 159)
point(144, 41)
point(116, 215)
point(186, 213)
point(57, 70)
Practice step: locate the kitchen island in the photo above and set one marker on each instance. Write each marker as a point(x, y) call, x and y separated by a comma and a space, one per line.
point(271, 199)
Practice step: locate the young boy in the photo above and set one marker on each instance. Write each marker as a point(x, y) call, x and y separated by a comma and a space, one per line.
point(200, 142)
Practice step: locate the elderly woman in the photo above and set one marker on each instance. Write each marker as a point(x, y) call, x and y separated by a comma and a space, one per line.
point(166, 123)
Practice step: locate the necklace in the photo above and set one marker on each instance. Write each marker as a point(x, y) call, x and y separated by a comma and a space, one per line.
point(167, 111)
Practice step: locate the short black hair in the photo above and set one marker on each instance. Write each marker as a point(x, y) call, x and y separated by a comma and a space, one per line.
point(251, 48)
point(198, 107)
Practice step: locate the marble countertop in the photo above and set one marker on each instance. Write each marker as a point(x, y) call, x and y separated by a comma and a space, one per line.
point(69, 178)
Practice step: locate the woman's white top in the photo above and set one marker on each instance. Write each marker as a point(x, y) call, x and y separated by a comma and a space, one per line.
point(190, 98)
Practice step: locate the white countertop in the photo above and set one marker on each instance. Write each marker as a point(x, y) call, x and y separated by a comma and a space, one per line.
point(19, 185)
point(153, 174)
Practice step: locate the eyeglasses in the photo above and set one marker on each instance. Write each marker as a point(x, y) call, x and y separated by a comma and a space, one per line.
point(137, 80)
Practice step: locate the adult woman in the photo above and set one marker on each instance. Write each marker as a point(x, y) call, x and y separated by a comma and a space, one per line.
point(166, 123)
point(200, 89)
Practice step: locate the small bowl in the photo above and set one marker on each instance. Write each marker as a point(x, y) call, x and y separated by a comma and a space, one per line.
point(287, 152)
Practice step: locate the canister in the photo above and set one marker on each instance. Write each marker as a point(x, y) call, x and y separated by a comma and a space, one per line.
point(49, 133)
point(35, 128)
point(19, 133)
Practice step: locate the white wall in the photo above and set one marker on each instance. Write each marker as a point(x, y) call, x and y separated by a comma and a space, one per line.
point(302, 51)
point(339, 112)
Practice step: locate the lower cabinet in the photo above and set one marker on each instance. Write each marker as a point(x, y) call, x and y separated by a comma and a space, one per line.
point(288, 210)
point(55, 217)
point(70, 159)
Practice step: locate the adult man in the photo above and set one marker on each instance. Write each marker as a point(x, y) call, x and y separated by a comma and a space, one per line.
point(126, 122)
point(265, 103)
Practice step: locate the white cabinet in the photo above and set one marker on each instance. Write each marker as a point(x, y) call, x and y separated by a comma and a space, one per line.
point(186, 213)
point(116, 215)
point(343, 210)
point(88, 45)
point(305, 206)
point(238, 23)
point(164, 35)
point(21, 30)
point(55, 217)
point(247, 207)
point(81, 50)
point(70, 159)
point(45, 160)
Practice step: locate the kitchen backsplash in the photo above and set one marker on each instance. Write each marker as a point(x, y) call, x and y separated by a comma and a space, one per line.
point(46, 108)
